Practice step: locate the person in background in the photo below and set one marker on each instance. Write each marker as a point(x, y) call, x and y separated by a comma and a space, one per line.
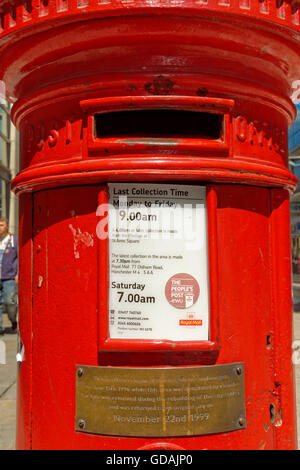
point(8, 276)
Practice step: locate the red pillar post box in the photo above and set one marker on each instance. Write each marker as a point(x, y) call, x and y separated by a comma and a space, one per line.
point(155, 276)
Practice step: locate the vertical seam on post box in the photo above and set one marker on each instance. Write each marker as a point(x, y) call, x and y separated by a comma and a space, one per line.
point(278, 258)
point(31, 315)
point(273, 292)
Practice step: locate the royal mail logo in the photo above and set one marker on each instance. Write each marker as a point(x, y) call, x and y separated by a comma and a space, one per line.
point(190, 322)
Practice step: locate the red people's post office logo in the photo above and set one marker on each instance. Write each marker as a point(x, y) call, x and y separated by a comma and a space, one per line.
point(182, 290)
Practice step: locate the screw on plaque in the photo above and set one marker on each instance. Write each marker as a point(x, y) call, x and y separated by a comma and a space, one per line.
point(239, 370)
point(80, 372)
point(81, 423)
point(241, 421)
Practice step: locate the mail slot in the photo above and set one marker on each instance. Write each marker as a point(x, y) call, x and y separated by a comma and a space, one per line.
point(155, 274)
point(126, 125)
point(159, 123)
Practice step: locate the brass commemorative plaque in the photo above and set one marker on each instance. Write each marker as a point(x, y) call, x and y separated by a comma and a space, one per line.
point(150, 402)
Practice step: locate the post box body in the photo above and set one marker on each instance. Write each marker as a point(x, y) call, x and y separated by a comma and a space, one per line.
point(67, 67)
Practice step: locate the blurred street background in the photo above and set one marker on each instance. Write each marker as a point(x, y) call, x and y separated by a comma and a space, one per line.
point(8, 374)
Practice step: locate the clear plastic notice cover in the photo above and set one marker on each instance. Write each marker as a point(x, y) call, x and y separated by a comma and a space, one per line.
point(158, 263)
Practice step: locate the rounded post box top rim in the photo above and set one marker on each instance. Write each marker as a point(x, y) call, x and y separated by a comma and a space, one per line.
point(15, 15)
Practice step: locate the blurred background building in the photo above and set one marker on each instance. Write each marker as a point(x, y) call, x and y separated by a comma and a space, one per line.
point(9, 160)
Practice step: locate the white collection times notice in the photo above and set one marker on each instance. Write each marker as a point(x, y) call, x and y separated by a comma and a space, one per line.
point(158, 264)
